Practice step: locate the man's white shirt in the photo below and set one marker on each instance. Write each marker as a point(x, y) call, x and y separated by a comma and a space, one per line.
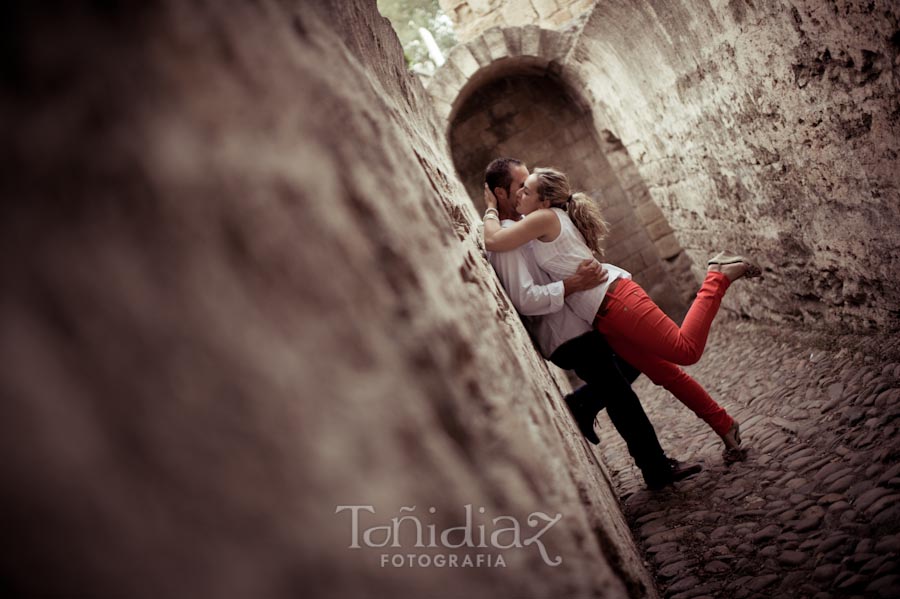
point(537, 297)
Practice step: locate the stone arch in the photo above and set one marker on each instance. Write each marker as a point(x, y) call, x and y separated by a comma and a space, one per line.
point(491, 54)
point(508, 92)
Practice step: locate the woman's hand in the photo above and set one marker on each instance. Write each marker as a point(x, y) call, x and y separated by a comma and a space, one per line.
point(489, 200)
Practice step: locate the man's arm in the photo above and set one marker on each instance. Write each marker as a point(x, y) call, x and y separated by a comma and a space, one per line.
point(528, 298)
point(589, 275)
point(531, 299)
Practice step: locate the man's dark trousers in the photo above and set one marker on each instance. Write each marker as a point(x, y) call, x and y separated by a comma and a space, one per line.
point(591, 358)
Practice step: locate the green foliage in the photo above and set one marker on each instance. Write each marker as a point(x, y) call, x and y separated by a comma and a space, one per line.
point(407, 16)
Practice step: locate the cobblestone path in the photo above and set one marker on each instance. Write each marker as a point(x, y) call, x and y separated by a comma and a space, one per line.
point(815, 510)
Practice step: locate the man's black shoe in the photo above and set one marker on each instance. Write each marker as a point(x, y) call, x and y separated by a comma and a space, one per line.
point(681, 471)
point(584, 416)
point(675, 472)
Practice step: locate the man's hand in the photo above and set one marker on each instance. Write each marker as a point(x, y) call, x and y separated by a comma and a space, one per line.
point(489, 200)
point(589, 275)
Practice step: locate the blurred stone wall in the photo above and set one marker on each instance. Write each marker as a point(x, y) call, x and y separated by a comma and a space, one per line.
point(243, 287)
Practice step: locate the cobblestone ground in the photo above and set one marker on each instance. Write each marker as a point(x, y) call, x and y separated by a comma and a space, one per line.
point(815, 510)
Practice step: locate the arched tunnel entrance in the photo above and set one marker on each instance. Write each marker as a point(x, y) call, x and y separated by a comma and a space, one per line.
point(536, 116)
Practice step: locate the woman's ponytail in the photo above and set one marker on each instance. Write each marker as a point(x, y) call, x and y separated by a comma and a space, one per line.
point(584, 213)
point(587, 218)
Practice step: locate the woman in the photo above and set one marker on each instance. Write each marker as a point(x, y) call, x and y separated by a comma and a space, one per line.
point(568, 228)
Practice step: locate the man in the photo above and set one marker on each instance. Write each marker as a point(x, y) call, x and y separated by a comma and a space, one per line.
point(571, 343)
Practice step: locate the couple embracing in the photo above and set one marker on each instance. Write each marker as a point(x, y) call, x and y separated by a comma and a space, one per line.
point(543, 239)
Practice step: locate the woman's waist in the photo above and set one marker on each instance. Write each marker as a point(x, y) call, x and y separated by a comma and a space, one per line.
point(590, 301)
point(609, 290)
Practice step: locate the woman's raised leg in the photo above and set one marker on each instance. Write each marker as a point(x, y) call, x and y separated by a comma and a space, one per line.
point(631, 314)
point(675, 380)
point(687, 391)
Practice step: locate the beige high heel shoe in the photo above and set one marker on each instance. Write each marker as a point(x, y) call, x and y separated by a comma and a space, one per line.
point(733, 451)
point(722, 259)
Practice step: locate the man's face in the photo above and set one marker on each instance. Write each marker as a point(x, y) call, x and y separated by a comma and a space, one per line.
point(518, 173)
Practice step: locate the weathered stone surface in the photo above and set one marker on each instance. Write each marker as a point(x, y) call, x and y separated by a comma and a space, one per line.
point(243, 286)
point(472, 17)
point(745, 114)
point(786, 119)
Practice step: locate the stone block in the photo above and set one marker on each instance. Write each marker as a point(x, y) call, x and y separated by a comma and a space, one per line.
point(615, 212)
point(481, 7)
point(480, 50)
point(668, 246)
point(650, 255)
point(463, 60)
point(545, 8)
point(515, 14)
point(634, 263)
point(442, 108)
point(638, 194)
point(648, 212)
point(449, 77)
point(496, 43)
point(513, 40)
point(492, 19)
point(652, 274)
point(622, 229)
point(619, 159)
point(561, 18)
point(614, 194)
point(658, 229)
point(465, 33)
point(632, 244)
point(553, 45)
point(629, 176)
point(531, 40)
point(442, 88)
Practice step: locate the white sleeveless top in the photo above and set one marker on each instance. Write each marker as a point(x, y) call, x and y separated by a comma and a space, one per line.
point(560, 259)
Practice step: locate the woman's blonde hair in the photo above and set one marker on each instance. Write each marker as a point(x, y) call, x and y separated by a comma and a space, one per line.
point(585, 214)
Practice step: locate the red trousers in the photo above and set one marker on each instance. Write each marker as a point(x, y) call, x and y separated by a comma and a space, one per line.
point(643, 335)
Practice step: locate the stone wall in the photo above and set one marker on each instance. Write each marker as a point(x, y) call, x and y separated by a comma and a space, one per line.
point(242, 287)
point(472, 17)
point(771, 128)
point(533, 118)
